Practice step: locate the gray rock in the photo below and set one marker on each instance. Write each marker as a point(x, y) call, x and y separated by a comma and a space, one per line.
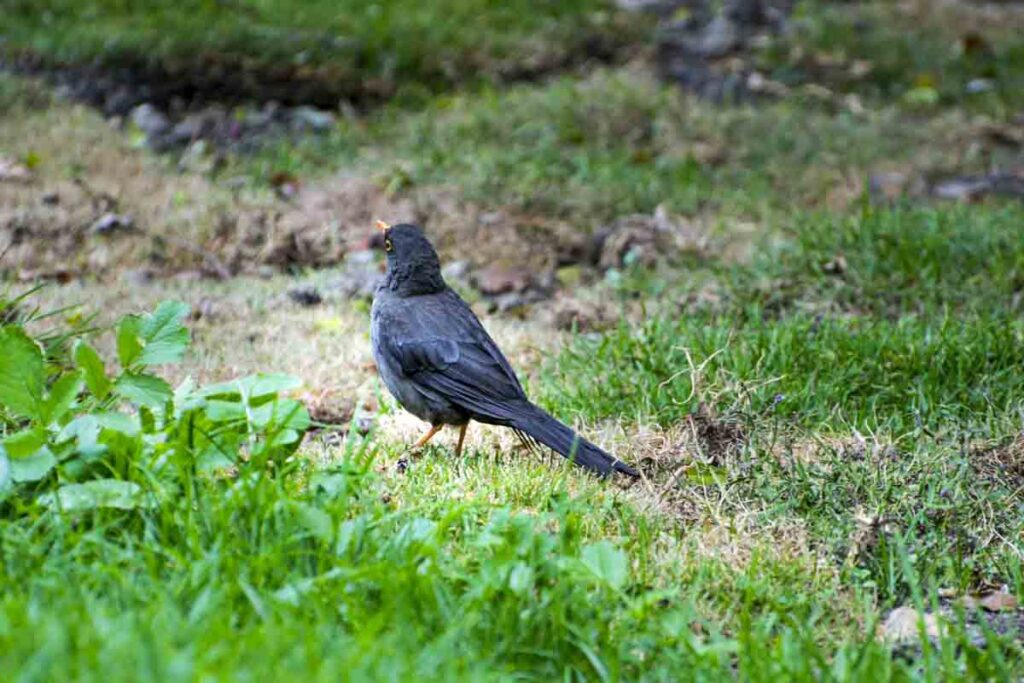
point(150, 120)
point(364, 423)
point(311, 118)
point(979, 85)
point(719, 38)
point(110, 223)
point(185, 131)
point(652, 6)
point(118, 102)
point(305, 296)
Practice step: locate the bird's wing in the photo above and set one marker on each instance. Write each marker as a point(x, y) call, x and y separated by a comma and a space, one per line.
point(443, 349)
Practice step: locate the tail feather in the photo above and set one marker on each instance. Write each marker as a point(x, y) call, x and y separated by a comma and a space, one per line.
point(540, 426)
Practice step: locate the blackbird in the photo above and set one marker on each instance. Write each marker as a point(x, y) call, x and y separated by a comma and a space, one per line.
point(439, 362)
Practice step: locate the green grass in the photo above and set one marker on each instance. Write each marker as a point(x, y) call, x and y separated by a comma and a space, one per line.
point(866, 361)
point(613, 143)
point(919, 326)
point(894, 261)
point(352, 47)
point(263, 577)
point(924, 57)
point(822, 372)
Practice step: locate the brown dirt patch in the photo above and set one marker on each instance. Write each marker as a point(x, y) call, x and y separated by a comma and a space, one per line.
point(1002, 464)
point(50, 223)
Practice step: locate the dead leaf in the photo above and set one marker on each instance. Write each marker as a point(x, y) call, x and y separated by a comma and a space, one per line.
point(836, 266)
point(974, 43)
point(1004, 134)
point(285, 185)
point(998, 601)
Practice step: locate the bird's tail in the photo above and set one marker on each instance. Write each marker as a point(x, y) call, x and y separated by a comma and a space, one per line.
point(540, 426)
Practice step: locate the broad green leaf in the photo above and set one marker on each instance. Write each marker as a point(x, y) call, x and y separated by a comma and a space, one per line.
point(283, 438)
point(225, 411)
point(143, 390)
point(283, 414)
point(292, 593)
point(34, 467)
point(164, 337)
point(607, 563)
point(21, 373)
point(129, 345)
point(520, 579)
point(99, 493)
point(85, 430)
point(26, 442)
point(62, 395)
point(315, 520)
point(253, 386)
point(256, 386)
point(118, 422)
point(213, 458)
point(185, 398)
point(91, 365)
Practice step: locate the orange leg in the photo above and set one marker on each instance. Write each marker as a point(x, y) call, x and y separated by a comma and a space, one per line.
point(462, 435)
point(427, 437)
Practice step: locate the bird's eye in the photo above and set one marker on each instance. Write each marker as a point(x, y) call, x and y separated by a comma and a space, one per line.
point(387, 245)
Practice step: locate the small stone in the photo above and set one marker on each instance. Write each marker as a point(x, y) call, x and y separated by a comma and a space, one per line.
point(185, 131)
point(305, 296)
point(150, 120)
point(965, 189)
point(978, 85)
point(110, 223)
point(118, 103)
point(652, 6)
point(311, 118)
point(887, 185)
point(363, 424)
point(719, 38)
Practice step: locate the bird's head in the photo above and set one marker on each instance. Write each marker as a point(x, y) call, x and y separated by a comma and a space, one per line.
point(413, 265)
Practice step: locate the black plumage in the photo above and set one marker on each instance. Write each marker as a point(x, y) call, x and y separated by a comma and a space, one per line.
point(439, 362)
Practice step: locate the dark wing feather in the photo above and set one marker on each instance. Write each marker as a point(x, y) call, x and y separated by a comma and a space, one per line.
point(445, 350)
